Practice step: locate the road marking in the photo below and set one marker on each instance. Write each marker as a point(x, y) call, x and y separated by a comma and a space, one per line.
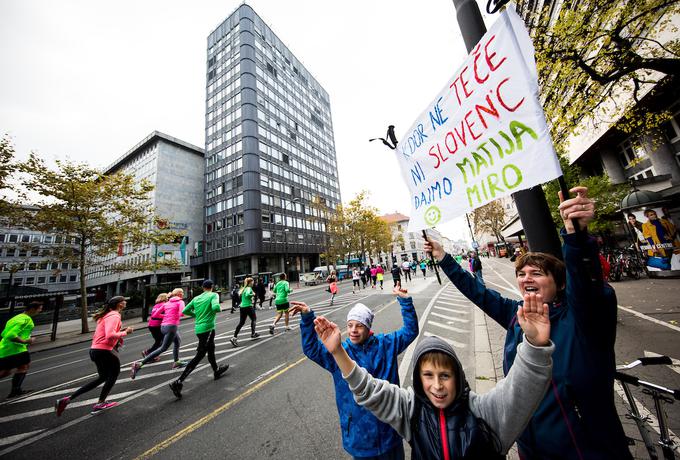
point(408, 354)
point(18, 437)
point(452, 304)
point(451, 318)
point(33, 413)
point(450, 328)
point(460, 312)
point(675, 367)
point(202, 421)
point(261, 376)
point(652, 421)
point(453, 343)
point(649, 318)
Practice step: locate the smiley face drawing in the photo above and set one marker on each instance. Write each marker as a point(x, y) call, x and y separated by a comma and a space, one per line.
point(432, 215)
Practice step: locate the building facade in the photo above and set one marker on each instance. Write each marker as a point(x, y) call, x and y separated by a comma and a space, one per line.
point(176, 169)
point(270, 167)
point(25, 263)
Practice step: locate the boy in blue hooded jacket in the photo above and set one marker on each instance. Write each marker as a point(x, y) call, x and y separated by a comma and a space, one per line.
point(363, 435)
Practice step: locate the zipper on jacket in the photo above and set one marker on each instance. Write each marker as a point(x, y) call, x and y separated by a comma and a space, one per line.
point(442, 432)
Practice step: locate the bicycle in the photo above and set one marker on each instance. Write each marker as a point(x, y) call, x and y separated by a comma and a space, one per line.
point(660, 394)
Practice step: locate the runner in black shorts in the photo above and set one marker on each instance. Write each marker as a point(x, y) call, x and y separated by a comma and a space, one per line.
point(281, 290)
point(14, 356)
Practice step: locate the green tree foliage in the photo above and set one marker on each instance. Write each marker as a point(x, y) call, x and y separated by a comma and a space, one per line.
point(606, 195)
point(489, 219)
point(8, 167)
point(100, 211)
point(355, 228)
point(599, 56)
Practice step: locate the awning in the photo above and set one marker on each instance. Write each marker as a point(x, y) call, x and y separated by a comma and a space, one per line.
point(513, 227)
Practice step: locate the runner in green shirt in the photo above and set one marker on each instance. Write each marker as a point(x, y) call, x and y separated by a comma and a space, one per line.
point(281, 289)
point(14, 355)
point(203, 307)
point(247, 310)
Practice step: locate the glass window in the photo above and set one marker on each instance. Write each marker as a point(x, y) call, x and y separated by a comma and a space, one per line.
point(25, 238)
point(41, 280)
point(62, 278)
point(13, 238)
point(53, 279)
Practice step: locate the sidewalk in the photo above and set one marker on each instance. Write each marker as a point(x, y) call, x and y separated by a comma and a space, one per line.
point(68, 332)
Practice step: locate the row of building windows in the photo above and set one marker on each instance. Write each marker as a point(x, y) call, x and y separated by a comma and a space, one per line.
point(228, 168)
point(33, 266)
point(33, 280)
point(225, 99)
point(32, 238)
point(225, 222)
point(230, 240)
point(219, 139)
point(225, 153)
point(224, 205)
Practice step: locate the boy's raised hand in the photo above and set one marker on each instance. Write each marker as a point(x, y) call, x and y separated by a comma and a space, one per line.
point(298, 307)
point(534, 319)
point(400, 292)
point(329, 333)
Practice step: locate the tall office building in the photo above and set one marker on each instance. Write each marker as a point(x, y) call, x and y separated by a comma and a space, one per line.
point(271, 170)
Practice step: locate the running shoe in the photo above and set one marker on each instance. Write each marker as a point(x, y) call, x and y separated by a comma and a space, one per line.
point(179, 364)
point(234, 341)
point(101, 407)
point(144, 353)
point(60, 405)
point(136, 366)
point(254, 336)
point(176, 388)
point(220, 370)
point(271, 330)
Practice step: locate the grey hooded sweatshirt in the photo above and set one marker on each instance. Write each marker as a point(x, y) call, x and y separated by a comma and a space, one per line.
point(506, 409)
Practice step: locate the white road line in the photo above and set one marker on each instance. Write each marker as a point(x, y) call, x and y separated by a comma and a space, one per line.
point(33, 413)
point(18, 437)
point(261, 376)
point(650, 319)
point(450, 318)
point(460, 312)
point(453, 304)
point(652, 421)
point(453, 343)
point(408, 354)
point(450, 328)
point(675, 367)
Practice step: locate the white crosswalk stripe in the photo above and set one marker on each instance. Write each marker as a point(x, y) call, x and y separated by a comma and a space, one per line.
point(453, 343)
point(451, 310)
point(450, 328)
point(450, 318)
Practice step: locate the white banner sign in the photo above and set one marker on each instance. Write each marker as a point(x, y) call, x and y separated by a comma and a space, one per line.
point(484, 136)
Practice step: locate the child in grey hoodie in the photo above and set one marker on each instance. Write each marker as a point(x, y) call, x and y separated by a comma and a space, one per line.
point(440, 417)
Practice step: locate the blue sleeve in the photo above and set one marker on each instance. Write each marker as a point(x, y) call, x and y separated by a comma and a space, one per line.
point(499, 308)
point(403, 337)
point(312, 347)
point(591, 301)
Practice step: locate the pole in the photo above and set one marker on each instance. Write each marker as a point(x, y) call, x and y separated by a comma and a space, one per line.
point(58, 303)
point(531, 203)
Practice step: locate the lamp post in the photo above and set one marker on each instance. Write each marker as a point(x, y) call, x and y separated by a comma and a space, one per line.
point(531, 203)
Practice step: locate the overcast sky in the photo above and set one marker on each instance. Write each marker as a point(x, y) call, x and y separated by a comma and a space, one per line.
point(87, 80)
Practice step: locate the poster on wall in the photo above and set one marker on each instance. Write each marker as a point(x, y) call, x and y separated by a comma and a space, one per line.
point(656, 237)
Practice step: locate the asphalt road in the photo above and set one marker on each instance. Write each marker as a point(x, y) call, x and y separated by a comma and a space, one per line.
point(273, 402)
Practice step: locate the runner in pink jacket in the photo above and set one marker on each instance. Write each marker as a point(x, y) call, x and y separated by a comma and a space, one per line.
point(108, 337)
point(155, 320)
point(171, 312)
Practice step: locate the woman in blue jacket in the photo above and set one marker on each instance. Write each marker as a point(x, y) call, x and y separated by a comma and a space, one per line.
point(577, 418)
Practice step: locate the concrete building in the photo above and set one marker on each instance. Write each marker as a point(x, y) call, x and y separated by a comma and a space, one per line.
point(25, 264)
point(176, 169)
point(271, 170)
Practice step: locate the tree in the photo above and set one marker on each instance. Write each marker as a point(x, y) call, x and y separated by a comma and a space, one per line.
point(98, 212)
point(489, 219)
point(338, 236)
point(596, 57)
point(8, 167)
point(606, 195)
